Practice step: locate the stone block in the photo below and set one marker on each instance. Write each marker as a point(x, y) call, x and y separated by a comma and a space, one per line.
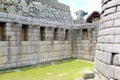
point(107, 18)
point(117, 31)
point(3, 51)
point(104, 56)
point(19, 64)
point(118, 8)
point(23, 18)
point(24, 43)
point(13, 50)
point(110, 10)
point(116, 48)
point(108, 47)
point(105, 47)
point(43, 49)
point(3, 43)
point(116, 60)
point(12, 59)
point(24, 49)
point(88, 74)
point(2, 66)
point(23, 57)
point(3, 59)
point(8, 26)
point(117, 23)
point(29, 49)
point(117, 39)
point(117, 73)
point(105, 69)
point(98, 46)
point(9, 65)
point(8, 34)
point(24, 63)
point(109, 71)
point(106, 39)
point(106, 24)
point(102, 77)
point(3, 15)
point(116, 15)
point(107, 31)
point(112, 3)
point(12, 16)
point(98, 64)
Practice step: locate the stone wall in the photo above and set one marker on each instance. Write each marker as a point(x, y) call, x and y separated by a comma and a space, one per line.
point(31, 41)
point(28, 32)
point(84, 41)
point(23, 45)
point(44, 33)
point(40, 9)
point(56, 5)
point(107, 63)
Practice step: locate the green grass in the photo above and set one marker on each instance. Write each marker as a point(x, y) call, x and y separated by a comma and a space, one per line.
point(70, 70)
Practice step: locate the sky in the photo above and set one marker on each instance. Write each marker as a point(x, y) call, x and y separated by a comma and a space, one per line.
point(86, 5)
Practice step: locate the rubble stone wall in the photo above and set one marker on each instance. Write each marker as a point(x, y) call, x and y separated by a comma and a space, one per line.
point(41, 9)
point(107, 63)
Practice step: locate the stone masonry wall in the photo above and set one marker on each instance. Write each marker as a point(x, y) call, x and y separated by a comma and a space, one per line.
point(15, 52)
point(34, 50)
point(107, 63)
point(29, 30)
point(44, 33)
point(84, 43)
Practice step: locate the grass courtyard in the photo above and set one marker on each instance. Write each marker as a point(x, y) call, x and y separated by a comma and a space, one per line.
point(65, 70)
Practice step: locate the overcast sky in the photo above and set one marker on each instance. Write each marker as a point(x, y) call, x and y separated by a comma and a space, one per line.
point(86, 5)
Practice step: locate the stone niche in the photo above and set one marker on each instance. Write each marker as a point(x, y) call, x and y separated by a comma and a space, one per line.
point(107, 60)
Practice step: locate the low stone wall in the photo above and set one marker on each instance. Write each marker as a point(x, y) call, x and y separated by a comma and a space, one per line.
point(107, 65)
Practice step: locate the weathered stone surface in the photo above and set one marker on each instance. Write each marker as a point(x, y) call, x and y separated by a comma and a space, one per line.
point(104, 56)
point(116, 60)
point(88, 75)
point(116, 48)
point(3, 15)
point(107, 31)
point(101, 77)
point(105, 47)
point(105, 69)
point(108, 48)
point(117, 39)
point(38, 10)
point(106, 24)
point(34, 15)
point(109, 11)
point(106, 39)
point(112, 3)
point(116, 31)
point(117, 72)
point(118, 8)
point(116, 23)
